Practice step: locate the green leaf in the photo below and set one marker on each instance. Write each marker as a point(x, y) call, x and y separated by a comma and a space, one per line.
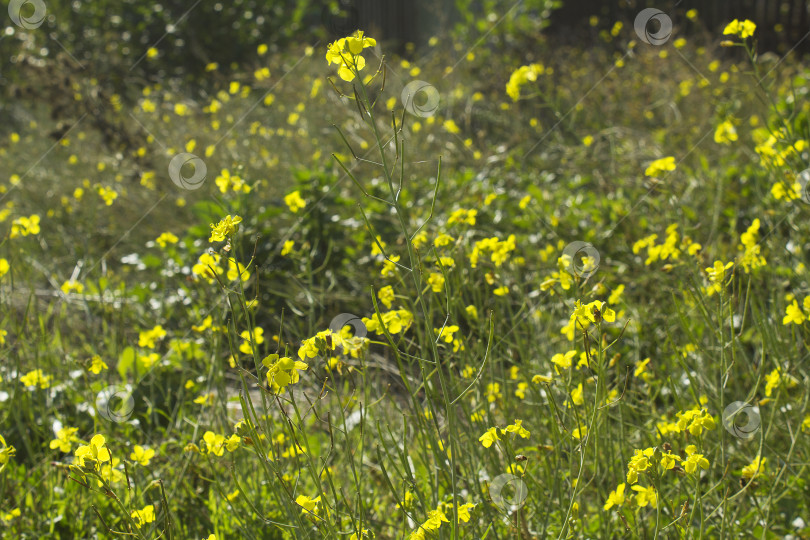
point(126, 362)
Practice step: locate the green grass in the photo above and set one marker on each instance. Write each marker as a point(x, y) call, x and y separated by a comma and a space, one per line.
point(388, 425)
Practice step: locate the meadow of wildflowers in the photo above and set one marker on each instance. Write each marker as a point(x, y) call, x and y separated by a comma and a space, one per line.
point(466, 292)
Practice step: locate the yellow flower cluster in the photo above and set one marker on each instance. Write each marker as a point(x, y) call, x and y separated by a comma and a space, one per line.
point(660, 166)
point(462, 216)
point(755, 468)
point(742, 29)
point(499, 250)
point(717, 277)
point(794, 314)
point(493, 434)
point(670, 249)
point(225, 228)
point(282, 372)
point(522, 76)
point(24, 226)
point(439, 516)
point(227, 182)
point(447, 335)
point(36, 378)
point(777, 378)
point(346, 53)
point(395, 321)
point(147, 338)
point(208, 267)
point(585, 314)
point(5, 453)
point(751, 258)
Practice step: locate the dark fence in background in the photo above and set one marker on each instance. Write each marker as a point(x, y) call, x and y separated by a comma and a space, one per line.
point(402, 21)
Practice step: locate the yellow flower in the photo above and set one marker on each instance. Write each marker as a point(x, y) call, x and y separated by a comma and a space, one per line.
point(646, 496)
point(225, 228)
point(717, 276)
point(742, 29)
point(493, 392)
point(96, 452)
point(522, 76)
point(386, 296)
point(489, 437)
point(108, 195)
point(694, 460)
point(165, 239)
point(294, 201)
point(776, 378)
point(668, 460)
point(288, 247)
point(64, 437)
point(640, 462)
point(141, 455)
point(97, 365)
point(446, 333)
point(4, 267)
point(283, 371)
point(725, 133)
point(36, 378)
point(225, 182)
point(214, 443)
point(24, 226)
point(147, 338)
point(659, 166)
point(308, 504)
point(518, 428)
point(247, 345)
point(70, 286)
point(794, 314)
point(563, 361)
point(237, 270)
point(615, 498)
point(346, 53)
point(5, 453)
point(144, 516)
point(443, 240)
point(755, 468)
point(577, 395)
point(436, 281)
